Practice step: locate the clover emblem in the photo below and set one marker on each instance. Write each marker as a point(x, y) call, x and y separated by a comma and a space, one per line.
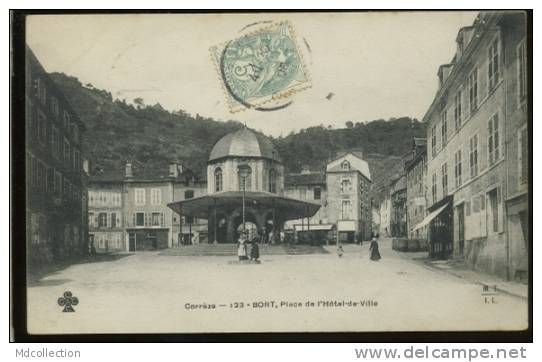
point(68, 301)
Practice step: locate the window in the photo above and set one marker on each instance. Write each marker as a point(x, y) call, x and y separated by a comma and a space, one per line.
point(317, 193)
point(188, 194)
point(493, 66)
point(75, 132)
point(444, 179)
point(140, 197)
point(66, 189)
point(42, 91)
point(272, 181)
point(91, 219)
point(102, 220)
point(139, 219)
point(156, 196)
point(434, 140)
point(493, 139)
point(157, 219)
point(66, 151)
point(54, 107)
point(74, 159)
point(42, 128)
point(457, 168)
point(473, 156)
point(345, 209)
point(493, 204)
point(34, 172)
point(345, 165)
point(522, 70)
point(346, 185)
point(218, 179)
point(473, 89)
point(444, 128)
point(67, 121)
point(55, 141)
point(434, 187)
point(58, 184)
point(457, 110)
point(523, 162)
point(475, 204)
point(114, 220)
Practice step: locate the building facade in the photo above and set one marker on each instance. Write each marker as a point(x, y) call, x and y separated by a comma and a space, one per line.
point(128, 208)
point(343, 192)
point(385, 217)
point(55, 182)
point(310, 186)
point(474, 133)
point(245, 194)
point(416, 172)
point(106, 214)
point(398, 214)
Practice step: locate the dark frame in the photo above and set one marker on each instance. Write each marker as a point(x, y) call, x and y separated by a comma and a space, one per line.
point(17, 272)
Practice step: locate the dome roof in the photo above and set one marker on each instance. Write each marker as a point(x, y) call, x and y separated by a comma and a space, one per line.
point(244, 143)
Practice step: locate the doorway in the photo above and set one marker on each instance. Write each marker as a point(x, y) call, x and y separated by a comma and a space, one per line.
point(461, 227)
point(132, 241)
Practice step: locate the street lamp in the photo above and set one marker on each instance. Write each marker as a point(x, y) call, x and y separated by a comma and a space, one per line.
point(244, 171)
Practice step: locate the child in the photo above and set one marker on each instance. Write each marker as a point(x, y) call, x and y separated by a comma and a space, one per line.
point(340, 251)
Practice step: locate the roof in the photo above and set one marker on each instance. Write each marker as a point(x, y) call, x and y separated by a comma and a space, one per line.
point(110, 175)
point(356, 163)
point(244, 143)
point(286, 207)
point(53, 85)
point(312, 178)
point(146, 173)
point(399, 185)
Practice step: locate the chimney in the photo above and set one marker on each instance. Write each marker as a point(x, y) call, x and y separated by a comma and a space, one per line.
point(305, 170)
point(173, 170)
point(128, 170)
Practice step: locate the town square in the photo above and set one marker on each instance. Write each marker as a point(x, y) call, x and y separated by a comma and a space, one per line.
point(277, 172)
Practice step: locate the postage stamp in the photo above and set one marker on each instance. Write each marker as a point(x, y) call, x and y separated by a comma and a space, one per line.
point(262, 69)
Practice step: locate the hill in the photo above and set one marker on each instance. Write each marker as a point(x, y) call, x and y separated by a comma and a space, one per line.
point(117, 131)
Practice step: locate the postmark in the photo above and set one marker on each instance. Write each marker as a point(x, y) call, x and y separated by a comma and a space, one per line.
point(262, 69)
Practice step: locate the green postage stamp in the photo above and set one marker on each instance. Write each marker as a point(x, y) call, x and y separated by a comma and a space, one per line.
point(262, 69)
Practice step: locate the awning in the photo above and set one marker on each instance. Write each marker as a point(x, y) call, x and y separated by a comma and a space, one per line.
point(313, 227)
point(288, 208)
point(429, 217)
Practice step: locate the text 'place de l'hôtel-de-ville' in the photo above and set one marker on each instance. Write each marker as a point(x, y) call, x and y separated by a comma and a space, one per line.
point(462, 193)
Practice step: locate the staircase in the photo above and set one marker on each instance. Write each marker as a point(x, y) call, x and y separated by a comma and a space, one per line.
point(231, 250)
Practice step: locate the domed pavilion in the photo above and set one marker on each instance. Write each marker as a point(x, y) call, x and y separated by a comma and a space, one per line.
point(245, 184)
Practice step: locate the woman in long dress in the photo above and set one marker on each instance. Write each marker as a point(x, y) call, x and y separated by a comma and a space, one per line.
point(375, 254)
point(254, 250)
point(242, 247)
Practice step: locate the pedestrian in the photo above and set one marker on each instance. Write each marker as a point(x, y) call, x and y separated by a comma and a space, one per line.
point(254, 250)
point(92, 248)
point(375, 254)
point(340, 251)
point(242, 247)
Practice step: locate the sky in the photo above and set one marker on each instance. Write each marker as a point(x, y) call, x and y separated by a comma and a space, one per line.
point(377, 65)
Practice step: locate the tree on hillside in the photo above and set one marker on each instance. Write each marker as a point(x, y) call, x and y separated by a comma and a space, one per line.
point(139, 102)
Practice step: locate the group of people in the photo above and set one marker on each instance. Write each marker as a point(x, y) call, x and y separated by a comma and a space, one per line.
point(242, 248)
point(373, 248)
